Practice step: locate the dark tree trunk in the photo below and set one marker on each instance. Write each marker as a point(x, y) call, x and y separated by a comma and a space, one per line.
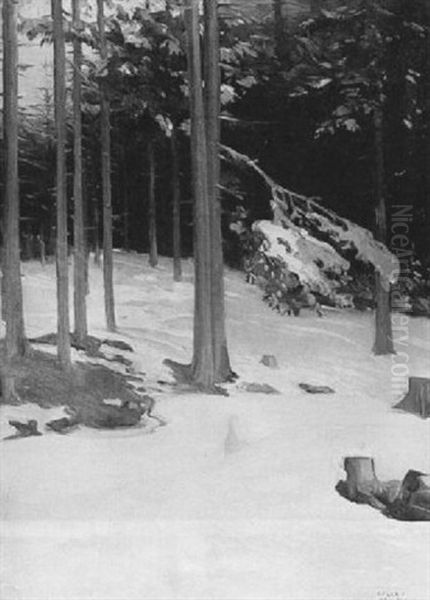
point(221, 359)
point(2, 280)
point(11, 280)
point(106, 182)
point(383, 329)
point(427, 112)
point(2, 252)
point(42, 248)
point(96, 229)
point(176, 209)
point(202, 368)
point(126, 200)
point(279, 20)
point(315, 7)
point(80, 285)
point(152, 208)
point(60, 127)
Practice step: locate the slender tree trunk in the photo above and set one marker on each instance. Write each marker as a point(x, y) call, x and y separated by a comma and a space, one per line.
point(427, 112)
point(42, 247)
point(126, 200)
point(2, 258)
point(202, 367)
point(106, 182)
point(97, 258)
point(80, 307)
point(315, 7)
point(11, 288)
point(152, 208)
point(280, 29)
point(383, 329)
point(176, 202)
point(60, 128)
point(212, 110)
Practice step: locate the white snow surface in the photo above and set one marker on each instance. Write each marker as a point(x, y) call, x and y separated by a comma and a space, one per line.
point(234, 499)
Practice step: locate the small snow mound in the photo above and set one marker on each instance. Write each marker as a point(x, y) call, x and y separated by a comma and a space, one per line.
point(232, 443)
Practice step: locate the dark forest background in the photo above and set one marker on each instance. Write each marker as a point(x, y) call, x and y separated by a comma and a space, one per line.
point(298, 94)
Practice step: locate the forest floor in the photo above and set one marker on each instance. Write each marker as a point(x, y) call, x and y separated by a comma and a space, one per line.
point(234, 499)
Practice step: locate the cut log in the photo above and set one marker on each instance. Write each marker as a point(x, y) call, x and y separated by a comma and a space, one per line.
point(417, 400)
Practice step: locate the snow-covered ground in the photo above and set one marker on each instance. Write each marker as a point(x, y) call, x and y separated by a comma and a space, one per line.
point(193, 511)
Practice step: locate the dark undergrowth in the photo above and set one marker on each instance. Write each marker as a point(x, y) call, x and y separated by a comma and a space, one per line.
point(40, 379)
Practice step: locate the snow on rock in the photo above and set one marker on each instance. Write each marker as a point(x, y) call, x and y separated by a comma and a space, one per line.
point(308, 258)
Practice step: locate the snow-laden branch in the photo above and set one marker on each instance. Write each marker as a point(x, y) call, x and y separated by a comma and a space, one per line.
point(315, 233)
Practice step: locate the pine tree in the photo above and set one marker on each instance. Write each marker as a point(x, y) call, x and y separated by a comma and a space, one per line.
point(202, 367)
point(222, 368)
point(106, 180)
point(210, 363)
point(11, 284)
point(61, 194)
point(383, 329)
point(176, 204)
point(80, 258)
point(152, 208)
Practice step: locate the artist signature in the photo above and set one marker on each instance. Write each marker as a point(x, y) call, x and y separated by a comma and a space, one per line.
point(390, 595)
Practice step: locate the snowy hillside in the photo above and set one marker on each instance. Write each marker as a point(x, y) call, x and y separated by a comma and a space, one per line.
point(234, 499)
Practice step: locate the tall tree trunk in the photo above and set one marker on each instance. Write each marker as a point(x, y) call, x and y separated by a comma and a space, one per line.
point(96, 238)
point(427, 112)
point(126, 200)
point(176, 204)
point(152, 208)
point(60, 128)
point(315, 7)
point(383, 329)
point(80, 285)
point(222, 366)
point(2, 259)
point(279, 20)
point(106, 181)
point(202, 367)
point(11, 281)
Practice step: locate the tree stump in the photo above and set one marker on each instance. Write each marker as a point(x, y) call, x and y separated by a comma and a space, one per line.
point(361, 485)
point(408, 500)
point(417, 400)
